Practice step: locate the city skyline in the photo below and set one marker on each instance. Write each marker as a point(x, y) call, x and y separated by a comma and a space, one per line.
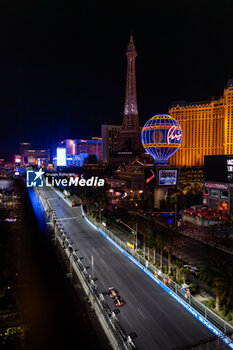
point(116, 185)
point(61, 68)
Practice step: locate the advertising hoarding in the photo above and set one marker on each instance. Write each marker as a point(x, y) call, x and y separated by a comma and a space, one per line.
point(167, 177)
point(218, 168)
point(161, 176)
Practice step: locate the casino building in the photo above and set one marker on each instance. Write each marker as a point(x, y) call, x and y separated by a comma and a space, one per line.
point(207, 129)
point(77, 150)
point(110, 136)
point(32, 157)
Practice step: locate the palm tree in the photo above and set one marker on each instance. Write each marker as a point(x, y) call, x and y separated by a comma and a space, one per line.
point(224, 285)
point(166, 238)
point(154, 251)
point(152, 244)
point(214, 273)
point(161, 240)
point(178, 265)
point(183, 272)
point(149, 224)
point(87, 195)
point(171, 240)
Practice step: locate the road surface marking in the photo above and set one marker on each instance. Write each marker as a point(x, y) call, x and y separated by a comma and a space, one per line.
point(71, 218)
point(140, 312)
point(103, 261)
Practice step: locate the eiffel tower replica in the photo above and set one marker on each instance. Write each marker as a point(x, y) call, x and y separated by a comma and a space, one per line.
point(129, 146)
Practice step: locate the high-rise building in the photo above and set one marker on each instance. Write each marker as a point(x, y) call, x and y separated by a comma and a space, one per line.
point(133, 176)
point(24, 147)
point(129, 137)
point(110, 138)
point(90, 147)
point(35, 157)
point(207, 128)
point(70, 145)
point(81, 146)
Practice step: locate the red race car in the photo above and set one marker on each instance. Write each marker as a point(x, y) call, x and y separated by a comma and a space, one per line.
point(118, 301)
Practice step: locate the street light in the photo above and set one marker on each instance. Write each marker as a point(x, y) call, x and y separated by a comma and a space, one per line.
point(134, 232)
point(136, 246)
point(92, 266)
point(174, 195)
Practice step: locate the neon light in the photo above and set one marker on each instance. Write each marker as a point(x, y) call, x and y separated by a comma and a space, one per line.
point(214, 185)
point(150, 145)
point(171, 135)
point(150, 178)
point(156, 127)
point(189, 308)
point(161, 137)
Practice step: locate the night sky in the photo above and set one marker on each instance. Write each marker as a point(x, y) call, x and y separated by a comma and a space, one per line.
point(63, 63)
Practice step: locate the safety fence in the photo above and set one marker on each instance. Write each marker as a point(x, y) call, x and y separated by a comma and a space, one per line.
point(190, 277)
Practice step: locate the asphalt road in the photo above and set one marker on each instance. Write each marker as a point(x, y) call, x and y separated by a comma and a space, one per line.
point(190, 250)
point(196, 253)
point(158, 320)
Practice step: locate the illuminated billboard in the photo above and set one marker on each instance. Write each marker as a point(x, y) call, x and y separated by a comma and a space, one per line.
point(167, 177)
point(218, 168)
point(18, 159)
point(161, 137)
point(161, 176)
point(61, 156)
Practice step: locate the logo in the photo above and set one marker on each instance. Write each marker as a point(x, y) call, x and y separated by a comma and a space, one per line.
point(40, 178)
point(35, 178)
point(174, 133)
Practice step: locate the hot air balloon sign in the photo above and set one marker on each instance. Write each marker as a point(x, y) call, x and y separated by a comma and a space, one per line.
point(161, 137)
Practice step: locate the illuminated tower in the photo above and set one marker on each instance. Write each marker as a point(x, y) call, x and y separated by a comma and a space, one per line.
point(129, 139)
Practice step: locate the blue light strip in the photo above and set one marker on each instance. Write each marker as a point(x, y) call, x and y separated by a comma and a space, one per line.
point(189, 308)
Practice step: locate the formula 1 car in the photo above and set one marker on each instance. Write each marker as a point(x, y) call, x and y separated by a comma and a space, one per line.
point(118, 301)
point(112, 292)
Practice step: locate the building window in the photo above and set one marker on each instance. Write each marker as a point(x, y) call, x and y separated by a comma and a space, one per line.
point(224, 194)
point(214, 193)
